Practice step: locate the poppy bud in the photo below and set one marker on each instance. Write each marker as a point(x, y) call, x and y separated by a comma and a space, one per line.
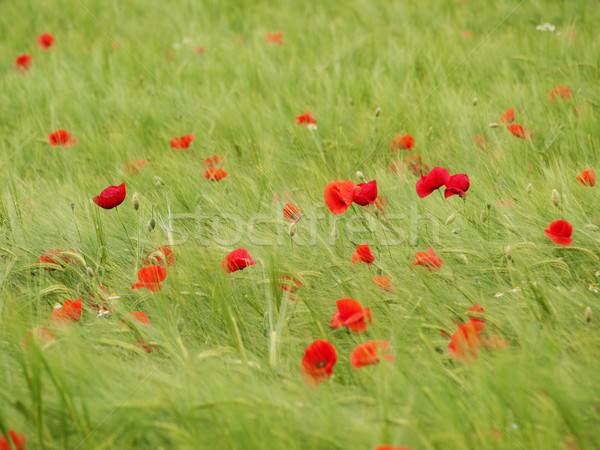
point(450, 219)
point(292, 230)
point(377, 112)
point(180, 324)
point(493, 125)
point(159, 181)
point(135, 200)
point(335, 233)
point(151, 224)
point(588, 314)
point(508, 252)
point(555, 197)
point(483, 217)
point(529, 188)
point(90, 271)
point(360, 175)
point(474, 101)
point(430, 132)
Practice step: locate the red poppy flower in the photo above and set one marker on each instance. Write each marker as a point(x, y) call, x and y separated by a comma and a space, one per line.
point(457, 184)
point(559, 232)
point(518, 131)
point(478, 323)
point(151, 278)
point(385, 284)
point(215, 174)
point(61, 137)
point(274, 38)
point(428, 260)
point(39, 335)
point(291, 213)
point(137, 316)
point(111, 197)
point(214, 161)
point(406, 142)
point(364, 254)
point(559, 92)
point(159, 256)
point(236, 260)
point(367, 194)
point(435, 179)
point(290, 284)
point(23, 63)
point(317, 364)
point(183, 142)
point(508, 116)
point(55, 257)
point(339, 195)
point(134, 167)
point(351, 314)
point(587, 177)
point(465, 343)
point(18, 441)
point(45, 41)
point(199, 50)
point(68, 313)
point(369, 352)
point(306, 118)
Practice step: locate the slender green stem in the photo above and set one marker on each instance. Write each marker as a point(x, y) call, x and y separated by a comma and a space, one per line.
point(125, 230)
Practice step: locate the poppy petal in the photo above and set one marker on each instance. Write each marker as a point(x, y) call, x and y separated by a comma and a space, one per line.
point(435, 179)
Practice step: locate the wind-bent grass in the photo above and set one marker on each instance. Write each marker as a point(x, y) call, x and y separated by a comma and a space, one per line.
point(226, 372)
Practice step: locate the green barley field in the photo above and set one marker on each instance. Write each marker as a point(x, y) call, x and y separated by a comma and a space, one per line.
point(493, 343)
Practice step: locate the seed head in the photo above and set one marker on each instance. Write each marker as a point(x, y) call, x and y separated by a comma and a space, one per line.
point(292, 230)
point(588, 314)
point(555, 197)
point(335, 233)
point(135, 201)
